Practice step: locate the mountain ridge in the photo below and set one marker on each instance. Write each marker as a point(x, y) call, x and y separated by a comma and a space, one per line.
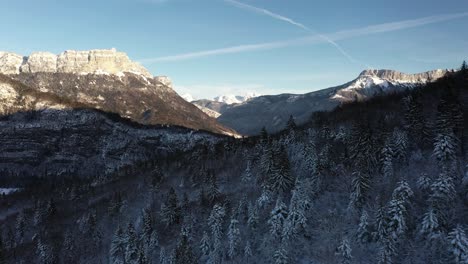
point(101, 79)
point(273, 111)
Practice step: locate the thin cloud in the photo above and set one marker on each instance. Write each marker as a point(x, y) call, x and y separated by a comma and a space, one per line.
point(266, 12)
point(314, 39)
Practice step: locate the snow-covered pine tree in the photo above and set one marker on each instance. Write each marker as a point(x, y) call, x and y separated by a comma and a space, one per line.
point(360, 185)
point(397, 210)
point(387, 251)
point(213, 192)
point(170, 210)
point(45, 254)
point(131, 242)
point(298, 206)
point(445, 147)
point(381, 222)
point(20, 226)
point(184, 253)
point(442, 192)
point(253, 219)
point(247, 175)
point(277, 218)
point(430, 224)
point(344, 252)
point(248, 251)
point(400, 145)
point(147, 227)
point(215, 221)
point(280, 256)
point(265, 198)
point(281, 179)
point(205, 244)
point(242, 212)
point(363, 233)
point(162, 256)
point(387, 155)
point(233, 238)
point(142, 259)
point(459, 245)
point(424, 182)
point(68, 247)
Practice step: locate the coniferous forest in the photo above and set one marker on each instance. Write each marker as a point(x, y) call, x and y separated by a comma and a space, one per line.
point(378, 181)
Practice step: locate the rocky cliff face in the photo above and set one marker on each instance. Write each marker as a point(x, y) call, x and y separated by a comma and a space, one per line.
point(100, 79)
point(71, 61)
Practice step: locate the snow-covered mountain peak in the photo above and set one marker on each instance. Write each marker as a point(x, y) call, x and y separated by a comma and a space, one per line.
point(235, 99)
point(371, 82)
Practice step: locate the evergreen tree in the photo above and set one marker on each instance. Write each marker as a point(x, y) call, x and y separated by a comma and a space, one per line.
point(359, 187)
point(280, 256)
point(142, 259)
point(68, 248)
point(213, 190)
point(291, 124)
point(2, 251)
point(397, 210)
point(445, 147)
point(277, 218)
point(298, 206)
point(442, 192)
point(150, 238)
point(162, 256)
point(363, 233)
point(20, 226)
point(424, 182)
point(247, 251)
point(387, 251)
point(131, 242)
point(281, 179)
point(205, 244)
point(414, 118)
point(430, 224)
point(400, 145)
point(253, 219)
point(184, 253)
point(118, 247)
point(233, 238)
point(464, 68)
point(170, 210)
point(344, 251)
point(215, 222)
point(45, 253)
point(459, 245)
point(387, 160)
point(247, 175)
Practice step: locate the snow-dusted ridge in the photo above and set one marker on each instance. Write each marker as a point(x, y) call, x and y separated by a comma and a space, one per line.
point(372, 82)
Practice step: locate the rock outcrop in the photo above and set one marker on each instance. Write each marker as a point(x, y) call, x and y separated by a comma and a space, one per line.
point(71, 61)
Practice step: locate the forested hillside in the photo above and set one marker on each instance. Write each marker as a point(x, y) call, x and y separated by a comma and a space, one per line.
point(380, 181)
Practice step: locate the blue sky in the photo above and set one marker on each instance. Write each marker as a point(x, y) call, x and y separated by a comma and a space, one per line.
point(212, 47)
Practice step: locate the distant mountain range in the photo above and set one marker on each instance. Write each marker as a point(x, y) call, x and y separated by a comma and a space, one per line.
point(97, 79)
point(273, 111)
point(219, 104)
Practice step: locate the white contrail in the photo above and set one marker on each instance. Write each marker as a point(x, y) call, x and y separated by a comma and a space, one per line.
point(341, 35)
point(297, 24)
